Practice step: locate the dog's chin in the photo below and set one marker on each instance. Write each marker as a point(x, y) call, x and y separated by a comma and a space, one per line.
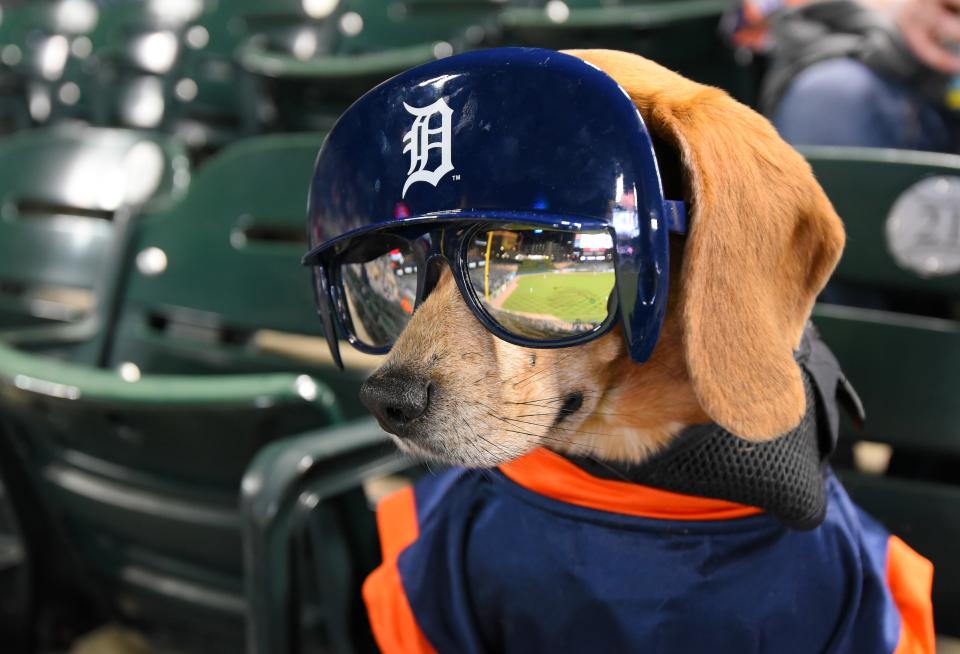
point(460, 451)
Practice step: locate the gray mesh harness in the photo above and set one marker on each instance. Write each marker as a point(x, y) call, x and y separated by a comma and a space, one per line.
point(784, 477)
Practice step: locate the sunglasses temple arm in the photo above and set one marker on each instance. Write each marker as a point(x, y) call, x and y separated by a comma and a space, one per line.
point(675, 214)
point(327, 306)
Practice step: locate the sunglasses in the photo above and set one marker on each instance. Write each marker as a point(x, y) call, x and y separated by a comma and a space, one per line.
point(531, 284)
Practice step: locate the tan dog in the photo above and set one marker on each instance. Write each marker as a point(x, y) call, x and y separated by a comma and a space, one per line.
point(555, 552)
point(763, 241)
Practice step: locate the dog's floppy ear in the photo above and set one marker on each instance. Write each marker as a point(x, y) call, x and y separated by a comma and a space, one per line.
point(763, 240)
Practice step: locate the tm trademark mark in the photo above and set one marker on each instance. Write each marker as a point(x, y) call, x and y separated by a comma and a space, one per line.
point(455, 178)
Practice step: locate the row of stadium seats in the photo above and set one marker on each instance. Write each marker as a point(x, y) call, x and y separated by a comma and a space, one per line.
point(157, 335)
point(156, 330)
point(211, 71)
point(158, 343)
point(895, 328)
point(147, 310)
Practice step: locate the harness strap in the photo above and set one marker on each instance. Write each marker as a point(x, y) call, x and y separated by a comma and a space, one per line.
point(784, 476)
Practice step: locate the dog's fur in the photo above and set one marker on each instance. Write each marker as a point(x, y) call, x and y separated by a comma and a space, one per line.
point(763, 240)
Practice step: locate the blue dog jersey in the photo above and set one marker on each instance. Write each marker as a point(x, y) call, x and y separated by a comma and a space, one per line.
point(540, 556)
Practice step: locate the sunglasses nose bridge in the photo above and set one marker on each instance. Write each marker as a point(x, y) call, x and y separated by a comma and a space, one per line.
point(434, 249)
point(432, 271)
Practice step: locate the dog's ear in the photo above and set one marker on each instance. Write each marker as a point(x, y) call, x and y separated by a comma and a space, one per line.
point(763, 240)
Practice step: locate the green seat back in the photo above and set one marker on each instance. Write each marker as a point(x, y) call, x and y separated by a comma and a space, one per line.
point(230, 253)
point(307, 75)
point(292, 487)
point(136, 65)
point(64, 195)
point(208, 57)
point(388, 26)
point(35, 43)
point(904, 365)
point(142, 479)
point(679, 34)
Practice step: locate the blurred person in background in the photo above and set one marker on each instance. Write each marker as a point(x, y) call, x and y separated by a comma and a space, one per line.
point(872, 73)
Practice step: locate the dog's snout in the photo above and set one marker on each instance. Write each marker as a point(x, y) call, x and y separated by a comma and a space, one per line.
point(396, 399)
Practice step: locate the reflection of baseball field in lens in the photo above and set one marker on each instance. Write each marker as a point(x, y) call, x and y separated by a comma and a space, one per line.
point(568, 296)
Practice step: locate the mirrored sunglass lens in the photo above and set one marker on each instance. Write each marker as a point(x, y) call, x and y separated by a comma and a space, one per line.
point(541, 284)
point(380, 284)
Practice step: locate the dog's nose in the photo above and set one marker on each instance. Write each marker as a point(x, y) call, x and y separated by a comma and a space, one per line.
point(396, 399)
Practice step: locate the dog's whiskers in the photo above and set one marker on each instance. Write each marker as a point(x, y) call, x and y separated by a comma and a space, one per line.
point(485, 440)
point(554, 369)
point(558, 398)
point(566, 429)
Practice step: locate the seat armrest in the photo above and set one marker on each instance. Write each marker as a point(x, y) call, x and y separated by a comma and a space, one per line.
point(284, 483)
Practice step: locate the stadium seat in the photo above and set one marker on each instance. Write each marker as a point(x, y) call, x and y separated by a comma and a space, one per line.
point(293, 490)
point(36, 40)
point(214, 283)
point(894, 324)
point(68, 195)
point(211, 283)
point(680, 34)
point(137, 56)
point(208, 55)
point(303, 78)
point(139, 483)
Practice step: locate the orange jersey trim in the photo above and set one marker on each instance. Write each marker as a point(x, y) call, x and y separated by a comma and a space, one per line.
point(391, 618)
point(910, 579)
point(550, 474)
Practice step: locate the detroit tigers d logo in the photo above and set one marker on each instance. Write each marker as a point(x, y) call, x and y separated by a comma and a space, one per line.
point(420, 141)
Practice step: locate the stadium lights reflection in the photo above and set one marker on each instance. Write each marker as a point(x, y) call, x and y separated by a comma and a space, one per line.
point(557, 11)
point(319, 8)
point(107, 181)
point(77, 16)
point(39, 104)
point(438, 82)
point(177, 11)
point(156, 51)
point(53, 57)
point(198, 37)
point(305, 44)
point(144, 103)
point(81, 47)
point(351, 23)
point(79, 234)
point(44, 387)
point(143, 166)
point(129, 372)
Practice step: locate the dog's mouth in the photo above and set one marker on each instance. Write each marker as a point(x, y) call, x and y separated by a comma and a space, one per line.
point(572, 403)
point(464, 425)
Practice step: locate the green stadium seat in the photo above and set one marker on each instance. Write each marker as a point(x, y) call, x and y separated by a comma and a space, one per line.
point(897, 336)
point(680, 34)
point(214, 283)
point(303, 78)
point(68, 195)
point(137, 56)
point(36, 40)
point(139, 481)
point(208, 56)
point(139, 469)
point(293, 489)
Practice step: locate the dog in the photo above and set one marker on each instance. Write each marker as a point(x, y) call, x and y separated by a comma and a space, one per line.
point(522, 548)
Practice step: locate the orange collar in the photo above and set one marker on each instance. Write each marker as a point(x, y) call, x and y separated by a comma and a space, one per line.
point(549, 474)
